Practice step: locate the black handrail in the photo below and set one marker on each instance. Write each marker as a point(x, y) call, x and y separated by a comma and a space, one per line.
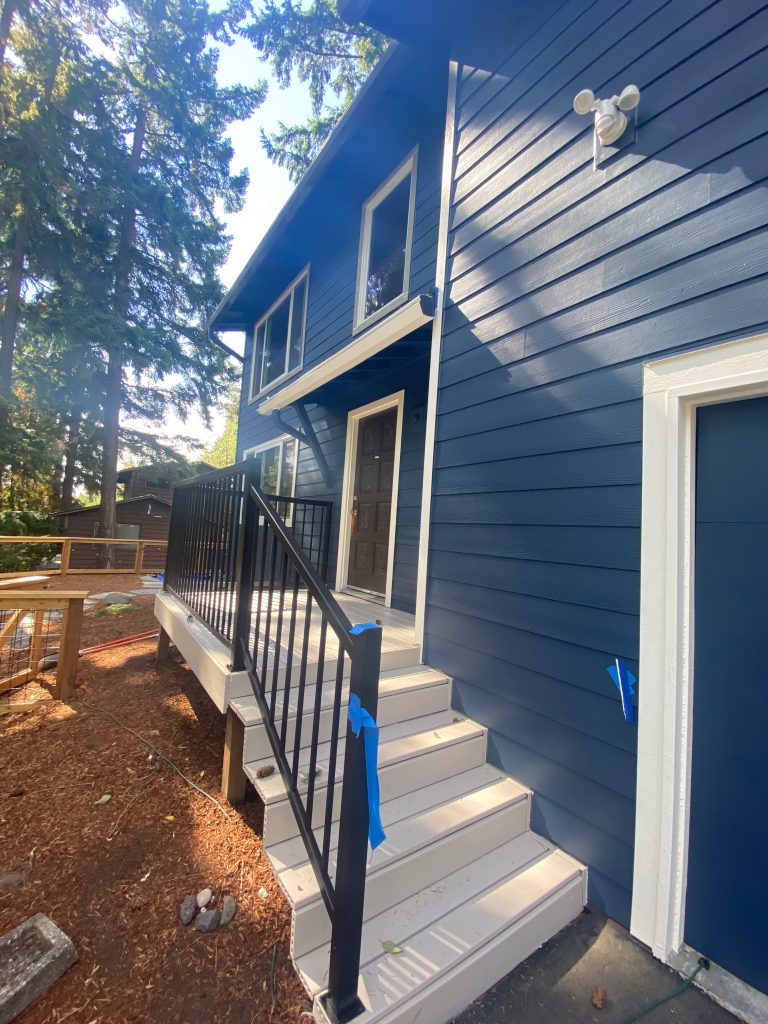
point(279, 606)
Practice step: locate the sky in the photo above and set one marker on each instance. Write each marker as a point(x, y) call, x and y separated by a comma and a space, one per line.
point(267, 192)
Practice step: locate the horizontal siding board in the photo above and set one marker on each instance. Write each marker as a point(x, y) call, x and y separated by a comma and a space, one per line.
point(598, 629)
point(590, 586)
point(611, 425)
point(551, 698)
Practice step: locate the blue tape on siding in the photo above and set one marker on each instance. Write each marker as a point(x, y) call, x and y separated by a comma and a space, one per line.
point(625, 682)
point(359, 719)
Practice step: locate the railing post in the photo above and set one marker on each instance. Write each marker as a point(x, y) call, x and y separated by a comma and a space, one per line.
point(341, 1002)
point(246, 551)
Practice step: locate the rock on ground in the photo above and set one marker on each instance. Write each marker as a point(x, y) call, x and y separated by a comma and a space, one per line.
point(208, 920)
point(228, 910)
point(204, 897)
point(187, 909)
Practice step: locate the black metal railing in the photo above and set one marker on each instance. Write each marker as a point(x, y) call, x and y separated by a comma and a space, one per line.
point(202, 567)
point(304, 659)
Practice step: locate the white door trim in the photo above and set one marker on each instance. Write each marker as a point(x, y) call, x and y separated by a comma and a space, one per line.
point(672, 390)
point(354, 418)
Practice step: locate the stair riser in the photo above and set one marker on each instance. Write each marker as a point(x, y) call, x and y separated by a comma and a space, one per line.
point(406, 876)
point(394, 780)
point(397, 707)
point(451, 992)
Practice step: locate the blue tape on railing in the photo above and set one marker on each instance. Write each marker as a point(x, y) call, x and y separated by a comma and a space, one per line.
point(359, 719)
point(356, 630)
point(625, 682)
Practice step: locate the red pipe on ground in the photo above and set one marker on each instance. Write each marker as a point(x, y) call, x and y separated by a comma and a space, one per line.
point(146, 635)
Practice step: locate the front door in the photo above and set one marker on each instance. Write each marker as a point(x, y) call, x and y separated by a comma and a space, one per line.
point(727, 892)
point(372, 502)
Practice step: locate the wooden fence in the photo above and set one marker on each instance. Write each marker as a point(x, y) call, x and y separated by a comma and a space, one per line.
point(67, 543)
point(38, 629)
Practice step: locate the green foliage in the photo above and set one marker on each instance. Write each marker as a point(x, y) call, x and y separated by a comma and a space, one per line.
point(114, 609)
point(21, 557)
point(222, 452)
point(312, 42)
point(114, 179)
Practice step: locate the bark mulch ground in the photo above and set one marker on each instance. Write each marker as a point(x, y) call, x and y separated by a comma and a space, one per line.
point(112, 874)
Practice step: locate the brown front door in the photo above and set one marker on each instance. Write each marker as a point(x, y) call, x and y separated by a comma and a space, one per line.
point(372, 502)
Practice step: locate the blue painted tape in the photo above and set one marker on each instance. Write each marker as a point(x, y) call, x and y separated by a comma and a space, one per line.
point(625, 682)
point(361, 628)
point(359, 719)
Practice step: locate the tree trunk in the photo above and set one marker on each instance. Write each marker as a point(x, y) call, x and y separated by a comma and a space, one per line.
point(70, 460)
point(7, 12)
point(116, 359)
point(10, 319)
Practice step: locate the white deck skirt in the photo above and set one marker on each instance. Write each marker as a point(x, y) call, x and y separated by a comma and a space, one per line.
point(210, 659)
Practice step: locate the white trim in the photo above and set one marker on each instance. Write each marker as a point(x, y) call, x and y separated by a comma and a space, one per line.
point(408, 318)
point(673, 388)
point(406, 168)
point(281, 440)
point(434, 360)
point(303, 276)
point(354, 418)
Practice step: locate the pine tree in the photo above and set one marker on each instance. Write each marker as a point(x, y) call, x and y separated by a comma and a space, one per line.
point(316, 45)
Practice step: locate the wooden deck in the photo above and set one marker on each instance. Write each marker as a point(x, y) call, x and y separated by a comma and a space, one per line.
point(210, 659)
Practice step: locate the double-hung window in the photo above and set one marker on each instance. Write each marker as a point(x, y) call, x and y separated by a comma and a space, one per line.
point(385, 245)
point(276, 460)
point(278, 340)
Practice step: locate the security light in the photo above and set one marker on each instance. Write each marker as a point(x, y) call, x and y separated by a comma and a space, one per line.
point(610, 119)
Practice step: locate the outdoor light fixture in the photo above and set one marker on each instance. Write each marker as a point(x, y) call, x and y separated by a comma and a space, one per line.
point(610, 117)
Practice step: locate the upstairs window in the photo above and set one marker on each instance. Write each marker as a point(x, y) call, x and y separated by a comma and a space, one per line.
point(385, 245)
point(278, 347)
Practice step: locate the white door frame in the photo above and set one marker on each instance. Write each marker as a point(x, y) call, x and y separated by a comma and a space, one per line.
point(354, 417)
point(673, 388)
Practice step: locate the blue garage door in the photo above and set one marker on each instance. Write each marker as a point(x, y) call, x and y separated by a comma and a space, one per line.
point(727, 896)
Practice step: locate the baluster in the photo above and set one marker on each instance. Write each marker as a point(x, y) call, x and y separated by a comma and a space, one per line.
point(263, 536)
point(332, 758)
point(268, 619)
point(289, 659)
point(316, 721)
point(278, 633)
point(302, 688)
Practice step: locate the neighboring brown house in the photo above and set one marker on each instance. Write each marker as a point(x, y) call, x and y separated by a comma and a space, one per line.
point(143, 512)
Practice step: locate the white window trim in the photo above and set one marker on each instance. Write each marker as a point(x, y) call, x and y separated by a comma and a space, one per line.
point(406, 168)
point(273, 442)
point(253, 396)
point(354, 418)
point(673, 389)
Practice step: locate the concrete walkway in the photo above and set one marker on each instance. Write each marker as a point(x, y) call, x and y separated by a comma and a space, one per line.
point(555, 985)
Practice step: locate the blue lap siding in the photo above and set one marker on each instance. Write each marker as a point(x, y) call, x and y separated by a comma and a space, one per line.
point(562, 280)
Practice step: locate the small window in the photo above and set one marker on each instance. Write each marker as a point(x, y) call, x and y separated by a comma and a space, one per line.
point(278, 339)
point(277, 462)
point(385, 244)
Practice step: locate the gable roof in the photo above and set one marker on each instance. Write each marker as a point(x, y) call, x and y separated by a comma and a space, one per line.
point(123, 501)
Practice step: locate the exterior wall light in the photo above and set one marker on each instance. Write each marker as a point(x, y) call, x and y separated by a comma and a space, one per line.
point(610, 117)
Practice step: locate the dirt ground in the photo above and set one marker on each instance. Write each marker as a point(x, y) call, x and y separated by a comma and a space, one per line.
point(112, 873)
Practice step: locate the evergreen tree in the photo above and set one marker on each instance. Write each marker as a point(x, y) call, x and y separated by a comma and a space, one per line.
point(314, 43)
point(222, 452)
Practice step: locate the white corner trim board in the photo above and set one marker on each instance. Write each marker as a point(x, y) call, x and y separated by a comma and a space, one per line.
point(410, 316)
point(354, 418)
point(673, 388)
point(434, 359)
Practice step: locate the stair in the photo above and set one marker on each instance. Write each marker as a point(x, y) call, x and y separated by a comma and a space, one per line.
point(461, 884)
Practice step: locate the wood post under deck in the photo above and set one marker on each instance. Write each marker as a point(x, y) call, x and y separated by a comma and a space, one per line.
point(233, 777)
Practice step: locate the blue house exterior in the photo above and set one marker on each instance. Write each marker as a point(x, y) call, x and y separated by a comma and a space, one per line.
point(573, 313)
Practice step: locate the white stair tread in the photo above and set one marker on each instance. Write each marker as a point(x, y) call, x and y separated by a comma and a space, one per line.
point(411, 834)
point(395, 681)
point(292, 852)
point(399, 923)
point(438, 949)
point(398, 742)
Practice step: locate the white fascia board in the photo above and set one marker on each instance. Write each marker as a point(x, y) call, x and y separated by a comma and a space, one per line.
point(408, 318)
